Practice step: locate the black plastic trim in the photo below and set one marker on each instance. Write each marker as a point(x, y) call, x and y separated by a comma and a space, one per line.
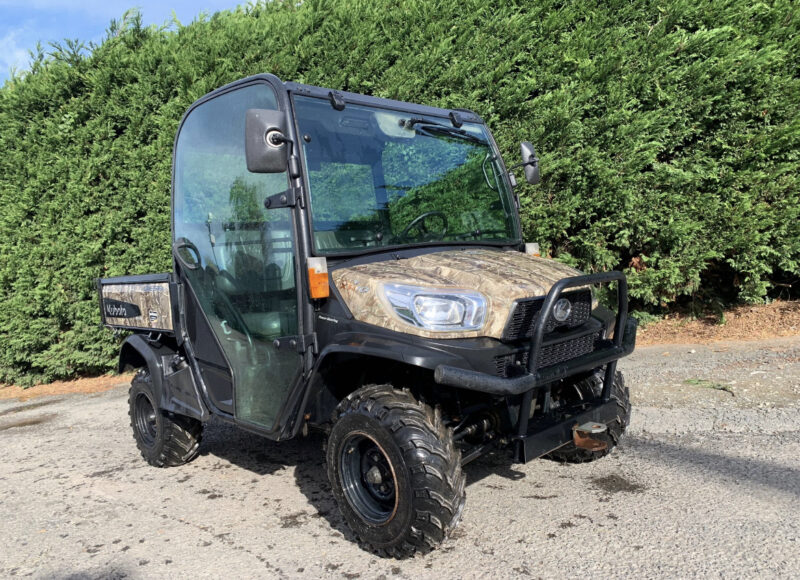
point(137, 279)
point(551, 325)
point(361, 99)
point(183, 398)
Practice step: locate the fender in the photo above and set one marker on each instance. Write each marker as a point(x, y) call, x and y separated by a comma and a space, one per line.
point(174, 384)
point(377, 345)
point(372, 345)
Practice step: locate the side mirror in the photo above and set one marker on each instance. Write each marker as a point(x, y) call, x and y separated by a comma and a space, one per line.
point(265, 141)
point(530, 163)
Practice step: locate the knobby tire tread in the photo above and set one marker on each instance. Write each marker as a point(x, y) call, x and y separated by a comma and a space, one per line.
point(179, 441)
point(431, 458)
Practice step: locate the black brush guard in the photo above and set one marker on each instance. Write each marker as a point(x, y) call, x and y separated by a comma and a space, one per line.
point(535, 443)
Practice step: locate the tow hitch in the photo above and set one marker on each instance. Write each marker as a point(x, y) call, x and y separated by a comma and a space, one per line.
point(582, 436)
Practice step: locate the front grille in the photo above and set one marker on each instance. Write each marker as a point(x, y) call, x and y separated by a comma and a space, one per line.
point(524, 313)
point(552, 354)
point(516, 363)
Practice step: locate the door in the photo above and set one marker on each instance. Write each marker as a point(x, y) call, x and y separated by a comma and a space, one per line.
point(236, 259)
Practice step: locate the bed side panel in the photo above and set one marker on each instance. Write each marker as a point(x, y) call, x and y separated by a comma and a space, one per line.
point(137, 303)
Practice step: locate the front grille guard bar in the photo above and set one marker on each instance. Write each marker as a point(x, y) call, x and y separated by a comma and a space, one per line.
point(544, 316)
point(527, 384)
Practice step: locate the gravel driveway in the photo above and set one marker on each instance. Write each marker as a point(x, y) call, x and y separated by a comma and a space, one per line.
point(707, 483)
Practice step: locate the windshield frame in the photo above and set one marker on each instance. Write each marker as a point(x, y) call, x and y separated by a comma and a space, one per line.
point(441, 115)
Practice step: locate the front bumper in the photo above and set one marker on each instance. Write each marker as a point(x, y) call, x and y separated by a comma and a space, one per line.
point(500, 386)
point(547, 437)
point(608, 351)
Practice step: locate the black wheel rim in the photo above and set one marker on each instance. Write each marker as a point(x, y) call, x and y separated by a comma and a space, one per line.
point(368, 479)
point(145, 419)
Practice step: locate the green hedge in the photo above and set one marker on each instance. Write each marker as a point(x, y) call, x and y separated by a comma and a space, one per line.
point(668, 134)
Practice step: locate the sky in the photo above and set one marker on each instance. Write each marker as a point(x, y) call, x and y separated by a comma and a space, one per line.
point(23, 23)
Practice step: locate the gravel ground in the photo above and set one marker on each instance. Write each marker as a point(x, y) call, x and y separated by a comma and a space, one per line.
point(707, 483)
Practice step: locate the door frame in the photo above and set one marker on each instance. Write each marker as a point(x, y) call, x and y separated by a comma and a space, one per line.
point(288, 411)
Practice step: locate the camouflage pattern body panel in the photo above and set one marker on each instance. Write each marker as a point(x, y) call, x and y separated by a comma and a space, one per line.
point(502, 277)
point(137, 305)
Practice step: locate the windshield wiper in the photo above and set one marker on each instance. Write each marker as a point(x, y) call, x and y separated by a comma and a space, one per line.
point(432, 128)
point(408, 123)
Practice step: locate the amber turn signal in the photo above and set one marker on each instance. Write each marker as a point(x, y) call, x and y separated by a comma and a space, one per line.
point(318, 277)
point(532, 249)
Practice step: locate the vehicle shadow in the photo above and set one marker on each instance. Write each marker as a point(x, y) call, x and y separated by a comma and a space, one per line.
point(306, 456)
point(110, 572)
point(738, 469)
point(261, 456)
point(498, 463)
point(248, 450)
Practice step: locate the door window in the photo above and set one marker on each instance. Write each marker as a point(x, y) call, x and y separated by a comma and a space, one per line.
point(245, 275)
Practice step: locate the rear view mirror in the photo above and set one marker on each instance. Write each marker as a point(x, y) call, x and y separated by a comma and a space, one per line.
point(265, 141)
point(530, 163)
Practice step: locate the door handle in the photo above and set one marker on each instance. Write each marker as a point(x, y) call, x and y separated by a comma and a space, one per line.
point(188, 249)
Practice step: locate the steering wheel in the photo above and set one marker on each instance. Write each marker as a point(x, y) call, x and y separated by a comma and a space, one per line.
point(419, 222)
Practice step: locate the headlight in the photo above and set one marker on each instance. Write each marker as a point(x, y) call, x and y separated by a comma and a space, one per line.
point(437, 308)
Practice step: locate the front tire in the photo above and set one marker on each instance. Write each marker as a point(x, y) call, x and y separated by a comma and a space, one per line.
point(164, 439)
point(395, 471)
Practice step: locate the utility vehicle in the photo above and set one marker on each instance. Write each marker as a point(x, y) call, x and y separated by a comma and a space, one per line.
point(355, 264)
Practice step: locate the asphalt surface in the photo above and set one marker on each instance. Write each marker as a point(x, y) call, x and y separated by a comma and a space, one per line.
point(707, 483)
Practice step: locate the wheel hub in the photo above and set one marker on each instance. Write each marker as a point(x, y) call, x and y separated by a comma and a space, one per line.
point(373, 476)
point(368, 479)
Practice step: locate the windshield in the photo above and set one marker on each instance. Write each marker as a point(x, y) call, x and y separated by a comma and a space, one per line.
point(381, 178)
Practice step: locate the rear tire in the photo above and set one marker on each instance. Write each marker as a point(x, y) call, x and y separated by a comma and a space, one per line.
point(164, 439)
point(394, 471)
point(590, 388)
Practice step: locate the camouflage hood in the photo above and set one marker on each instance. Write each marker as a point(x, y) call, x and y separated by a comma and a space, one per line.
point(502, 277)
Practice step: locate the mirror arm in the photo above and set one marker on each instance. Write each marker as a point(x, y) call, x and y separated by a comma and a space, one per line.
point(534, 161)
point(277, 138)
point(293, 159)
point(294, 163)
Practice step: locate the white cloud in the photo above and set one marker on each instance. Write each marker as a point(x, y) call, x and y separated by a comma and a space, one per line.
point(154, 11)
point(23, 23)
point(95, 8)
point(13, 52)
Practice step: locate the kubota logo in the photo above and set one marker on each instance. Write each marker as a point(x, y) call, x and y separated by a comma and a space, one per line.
point(119, 309)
